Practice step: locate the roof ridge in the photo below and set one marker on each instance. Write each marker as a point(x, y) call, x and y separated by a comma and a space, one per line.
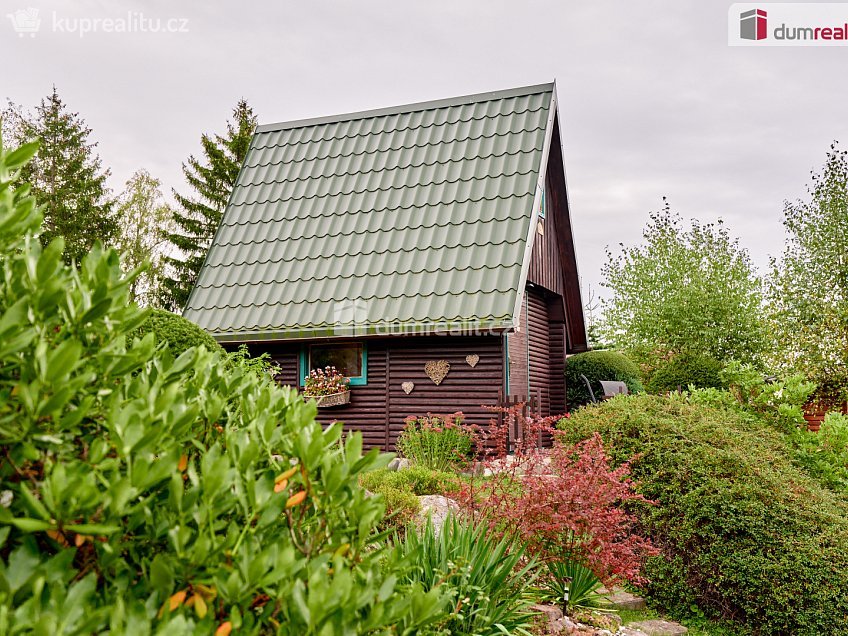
point(408, 108)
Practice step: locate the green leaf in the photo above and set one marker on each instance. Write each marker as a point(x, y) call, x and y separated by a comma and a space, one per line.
point(92, 528)
point(31, 525)
point(161, 575)
point(33, 503)
point(22, 566)
point(20, 156)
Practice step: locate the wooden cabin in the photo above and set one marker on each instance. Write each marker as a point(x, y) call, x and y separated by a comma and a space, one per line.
point(425, 249)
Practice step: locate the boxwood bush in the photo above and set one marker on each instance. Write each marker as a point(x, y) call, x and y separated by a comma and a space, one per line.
point(597, 366)
point(746, 535)
point(683, 371)
point(145, 493)
point(180, 333)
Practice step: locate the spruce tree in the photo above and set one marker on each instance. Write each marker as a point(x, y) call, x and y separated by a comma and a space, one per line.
point(212, 177)
point(67, 176)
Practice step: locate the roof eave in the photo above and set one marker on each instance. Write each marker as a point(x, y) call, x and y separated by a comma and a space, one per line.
point(537, 202)
point(330, 332)
point(405, 108)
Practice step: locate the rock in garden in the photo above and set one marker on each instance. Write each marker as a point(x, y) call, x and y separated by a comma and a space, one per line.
point(658, 627)
point(552, 620)
point(622, 600)
point(437, 508)
point(398, 463)
point(551, 611)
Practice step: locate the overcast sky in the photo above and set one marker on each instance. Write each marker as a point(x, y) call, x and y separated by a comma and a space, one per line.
point(653, 101)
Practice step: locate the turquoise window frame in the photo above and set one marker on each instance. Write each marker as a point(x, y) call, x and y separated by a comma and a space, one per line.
point(359, 380)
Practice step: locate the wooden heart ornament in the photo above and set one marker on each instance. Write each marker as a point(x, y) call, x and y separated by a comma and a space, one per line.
point(407, 387)
point(437, 370)
point(472, 360)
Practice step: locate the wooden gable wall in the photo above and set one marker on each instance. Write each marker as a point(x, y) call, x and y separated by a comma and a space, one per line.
point(378, 408)
point(554, 311)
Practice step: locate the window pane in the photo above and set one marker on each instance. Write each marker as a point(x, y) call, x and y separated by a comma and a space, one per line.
point(346, 358)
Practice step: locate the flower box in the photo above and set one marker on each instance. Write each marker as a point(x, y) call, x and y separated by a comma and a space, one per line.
point(334, 399)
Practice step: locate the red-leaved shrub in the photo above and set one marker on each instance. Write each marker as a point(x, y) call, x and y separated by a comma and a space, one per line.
point(565, 502)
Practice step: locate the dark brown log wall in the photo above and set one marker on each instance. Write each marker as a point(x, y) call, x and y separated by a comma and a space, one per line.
point(545, 266)
point(557, 369)
point(379, 408)
point(558, 207)
point(518, 382)
point(464, 389)
point(540, 350)
point(546, 333)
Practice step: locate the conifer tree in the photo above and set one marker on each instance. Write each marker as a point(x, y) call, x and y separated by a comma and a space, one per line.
point(212, 177)
point(67, 176)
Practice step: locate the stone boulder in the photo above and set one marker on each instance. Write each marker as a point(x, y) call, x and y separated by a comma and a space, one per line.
point(619, 599)
point(437, 508)
point(399, 463)
point(659, 627)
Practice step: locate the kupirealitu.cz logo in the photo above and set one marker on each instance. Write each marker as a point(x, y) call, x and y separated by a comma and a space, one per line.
point(788, 24)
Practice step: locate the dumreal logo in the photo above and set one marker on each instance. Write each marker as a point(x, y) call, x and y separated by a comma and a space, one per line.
point(788, 24)
point(753, 25)
point(25, 22)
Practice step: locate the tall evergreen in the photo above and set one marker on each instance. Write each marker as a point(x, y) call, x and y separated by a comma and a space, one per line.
point(212, 177)
point(67, 176)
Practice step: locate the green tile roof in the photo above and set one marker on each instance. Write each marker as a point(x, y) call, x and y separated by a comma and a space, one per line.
point(402, 220)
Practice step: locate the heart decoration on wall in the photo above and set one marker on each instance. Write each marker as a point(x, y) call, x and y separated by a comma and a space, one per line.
point(437, 370)
point(472, 360)
point(407, 387)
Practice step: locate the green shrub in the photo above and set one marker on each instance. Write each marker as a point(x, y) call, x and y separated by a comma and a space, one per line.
point(262, 365)
point(487, 578)
point(571, 585)
point(684, 371)
point(401, 488)
point(597, 366)
point(146, 493)
point(745, 534)
point(437, 442)
point(415, 479)
point(824, 455)
point(402, 506)
point(180, 333)
point(778, 402)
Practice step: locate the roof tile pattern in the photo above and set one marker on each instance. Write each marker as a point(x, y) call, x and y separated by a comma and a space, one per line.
point(417, 216)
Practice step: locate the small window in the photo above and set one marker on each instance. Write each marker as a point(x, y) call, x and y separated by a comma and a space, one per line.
point(542, 206)
point(349, 358)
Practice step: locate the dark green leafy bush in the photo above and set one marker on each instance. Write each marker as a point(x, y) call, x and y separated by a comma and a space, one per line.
point(416, 479)
point(180, 333)
point(824, 454)
point(683, 371)
point(597, 366)
point(745, 534)
point(402, 506)
point(147, 493)
point(400, 490)
point(487, 578)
